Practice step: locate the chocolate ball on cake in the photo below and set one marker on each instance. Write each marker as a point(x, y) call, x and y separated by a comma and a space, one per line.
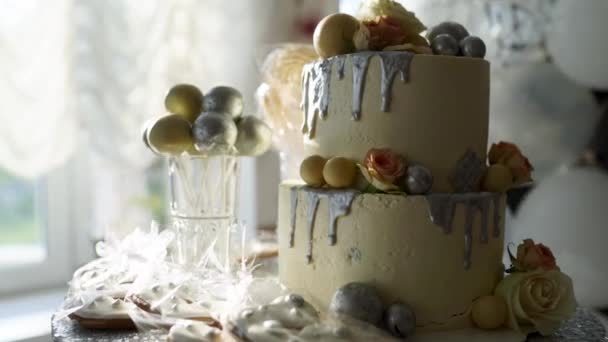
point(445, 44)
point(451, 28)
point(358, 300)
point(489, 312)
point(334, 35)
point(224, 99)
point(340, 172)
point(254, 137)
point(170, 134)
point(311, 170)
point(418, 180)
point(185, 100)
point(214, 133)
point(473, 47)
point(400, 320)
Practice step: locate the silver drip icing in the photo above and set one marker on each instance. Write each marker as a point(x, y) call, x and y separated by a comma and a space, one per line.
point(443, 206)
point(316, 78)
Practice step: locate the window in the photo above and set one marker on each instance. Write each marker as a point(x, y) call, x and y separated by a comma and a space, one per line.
point(34, 226)
point(21, 233)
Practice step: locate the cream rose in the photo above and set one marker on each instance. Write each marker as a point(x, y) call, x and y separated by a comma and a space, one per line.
point(537, 301)
point(372, 10)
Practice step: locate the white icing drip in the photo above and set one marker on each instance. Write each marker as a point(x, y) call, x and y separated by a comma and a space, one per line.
point(294, 206)
point(306, 74)
point(443, 206)
point(104, 307)
point(340, 62)
point(360, 63)
point(339, 205)
point(391, 63)
point(319, 73)
point(313, 203)
point(193, 332)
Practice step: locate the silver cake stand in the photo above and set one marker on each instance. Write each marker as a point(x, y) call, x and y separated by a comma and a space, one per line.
point(584, 327)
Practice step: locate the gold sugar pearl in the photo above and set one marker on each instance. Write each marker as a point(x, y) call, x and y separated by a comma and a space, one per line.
point(311, 170)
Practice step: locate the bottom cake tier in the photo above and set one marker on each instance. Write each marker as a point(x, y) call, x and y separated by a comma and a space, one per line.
point(437, 252)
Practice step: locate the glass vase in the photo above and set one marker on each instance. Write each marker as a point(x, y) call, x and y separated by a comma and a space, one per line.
point(203, 197)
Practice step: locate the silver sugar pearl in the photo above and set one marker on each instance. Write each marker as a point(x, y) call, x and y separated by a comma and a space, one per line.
point(454, 29)
point(446, 45)
point(254, 137)
point(224, 99)
point(358, 300)
point(156, 288)
point(418, 180)
point(214, 133)
point(473, 47)
point(400, 320)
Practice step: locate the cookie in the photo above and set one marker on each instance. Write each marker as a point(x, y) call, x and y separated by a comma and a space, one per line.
point(171, 300)
point(189, 331)
point(104, 313)
point(283, 317)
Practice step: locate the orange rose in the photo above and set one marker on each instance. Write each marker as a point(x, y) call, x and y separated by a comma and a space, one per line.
point(384, 31)
point(385, 165)
point(509, 155)
point(533, 256)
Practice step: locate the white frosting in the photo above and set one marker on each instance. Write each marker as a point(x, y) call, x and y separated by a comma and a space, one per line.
point(104, 307)
point(291, 318)
point(173, 301)
point(102, 278)
point(193, 332)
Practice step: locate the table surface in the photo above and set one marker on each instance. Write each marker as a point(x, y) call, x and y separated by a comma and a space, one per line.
point(584, 327)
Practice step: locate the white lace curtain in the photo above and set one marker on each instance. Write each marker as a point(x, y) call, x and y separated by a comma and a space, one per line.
point(80, 73)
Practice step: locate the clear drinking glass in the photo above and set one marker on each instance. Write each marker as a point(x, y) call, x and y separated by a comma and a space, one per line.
point(203, 197)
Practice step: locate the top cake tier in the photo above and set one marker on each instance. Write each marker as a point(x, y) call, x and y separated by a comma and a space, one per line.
point(430, 109)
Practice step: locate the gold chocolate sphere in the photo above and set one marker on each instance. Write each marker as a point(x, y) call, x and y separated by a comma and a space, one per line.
point(489, 312)
point(340, 172)
point(311, 170)
point(334, 35)
point(170, 134)
point(185, 100)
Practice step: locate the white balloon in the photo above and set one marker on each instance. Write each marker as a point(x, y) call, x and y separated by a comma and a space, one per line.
point(547, 115)
point(568, 212)
point(578, 41)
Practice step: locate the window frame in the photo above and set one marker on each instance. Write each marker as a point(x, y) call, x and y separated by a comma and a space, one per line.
point(67, 240)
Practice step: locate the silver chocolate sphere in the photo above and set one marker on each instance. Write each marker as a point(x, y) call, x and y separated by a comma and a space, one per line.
point(224, 99)
point(473, 46)
point(455, 30)
point(400, 320)
point(358, 300)
point(214, 133)
point(445, 44)
point(418, 180)
point(254, 138)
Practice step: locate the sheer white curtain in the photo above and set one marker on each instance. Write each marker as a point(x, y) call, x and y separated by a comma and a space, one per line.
point(79, 77)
